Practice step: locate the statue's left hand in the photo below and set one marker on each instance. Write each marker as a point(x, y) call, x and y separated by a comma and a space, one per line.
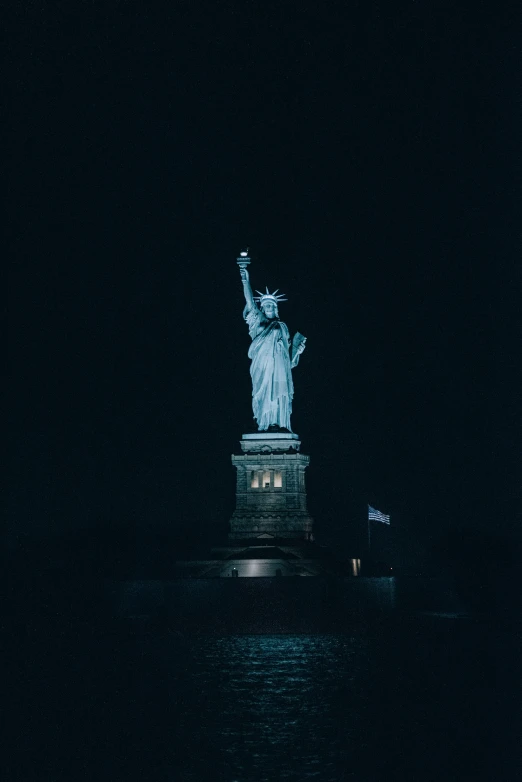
point(301, 347)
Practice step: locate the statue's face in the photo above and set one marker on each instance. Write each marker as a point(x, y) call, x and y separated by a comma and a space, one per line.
point(269, 309)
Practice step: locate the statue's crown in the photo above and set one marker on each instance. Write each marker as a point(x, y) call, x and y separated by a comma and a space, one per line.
point(269, 296)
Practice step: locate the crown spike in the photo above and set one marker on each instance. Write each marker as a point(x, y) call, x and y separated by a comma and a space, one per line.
point(275, 297)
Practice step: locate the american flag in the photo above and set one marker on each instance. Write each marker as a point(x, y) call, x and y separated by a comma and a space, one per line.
point(376, 515)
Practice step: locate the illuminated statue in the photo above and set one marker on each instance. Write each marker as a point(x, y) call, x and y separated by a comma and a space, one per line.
point(272, 354)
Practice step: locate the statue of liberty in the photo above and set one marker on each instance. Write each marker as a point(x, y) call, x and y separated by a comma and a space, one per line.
point(272, 353)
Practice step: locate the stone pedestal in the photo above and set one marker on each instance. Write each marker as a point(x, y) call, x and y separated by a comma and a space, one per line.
point(270, 490)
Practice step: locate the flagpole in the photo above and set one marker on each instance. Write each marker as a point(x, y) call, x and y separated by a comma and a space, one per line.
point(369, 538)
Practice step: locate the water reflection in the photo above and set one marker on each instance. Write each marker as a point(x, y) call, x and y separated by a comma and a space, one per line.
point(183, 695)
point(385, 698)
point(288, 704)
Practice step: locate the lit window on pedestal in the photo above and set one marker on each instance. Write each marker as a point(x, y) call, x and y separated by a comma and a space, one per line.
point(254, 480)
point(266, 479)
point(278, 479)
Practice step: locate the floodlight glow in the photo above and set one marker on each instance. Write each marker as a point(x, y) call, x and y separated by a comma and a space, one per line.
point(243, 255)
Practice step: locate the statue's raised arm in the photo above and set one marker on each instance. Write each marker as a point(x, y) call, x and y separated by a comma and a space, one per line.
point(247, 290)
point(272, 353)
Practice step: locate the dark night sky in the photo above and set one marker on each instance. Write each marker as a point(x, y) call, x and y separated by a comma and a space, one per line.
point(368, 154)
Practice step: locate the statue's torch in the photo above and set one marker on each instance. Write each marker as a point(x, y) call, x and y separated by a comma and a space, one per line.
point(243, 259)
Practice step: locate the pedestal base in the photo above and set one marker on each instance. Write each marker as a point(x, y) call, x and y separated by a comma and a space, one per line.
point(270, 492)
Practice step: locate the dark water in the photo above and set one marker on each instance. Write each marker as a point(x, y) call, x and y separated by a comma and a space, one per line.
point(390, 695)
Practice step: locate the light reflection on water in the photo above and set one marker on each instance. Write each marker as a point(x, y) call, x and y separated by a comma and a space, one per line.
point(287, 704)
point(371, 704)
point(365, 679)
point(387, 698)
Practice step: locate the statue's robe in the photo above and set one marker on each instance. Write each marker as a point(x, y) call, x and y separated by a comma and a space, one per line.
point(271, 371)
